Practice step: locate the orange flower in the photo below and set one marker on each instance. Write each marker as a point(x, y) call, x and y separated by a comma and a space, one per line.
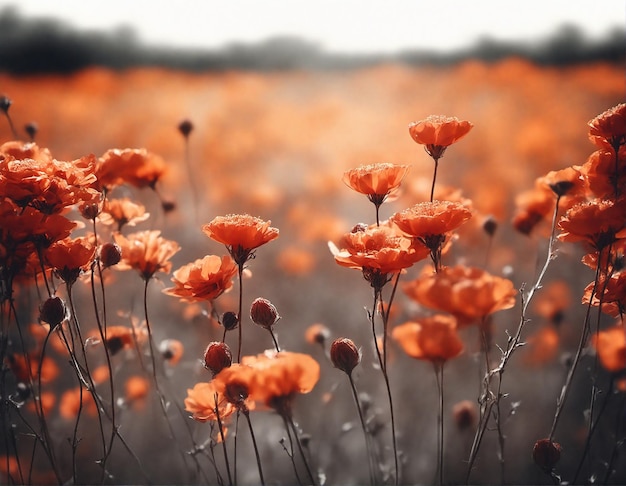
point(468, 293)
point(542, 346)
point(119, 337)
point(241, 233)
point(609, 127)
point(203, 400)
point(595, 223)
point(377, 251)
point(147, 252)
point(553, 300)
point(376, 181)
point(610, 345)
point(613, 294)
point(123, 211)
point(203, 280)
point(136, 390)
point(273, 378)
point(70, 404)
point(565, 182)
point(136, 167)
point(70, 257)
point(438, 132)
point(432, 338)
point(430, 223)
point(172, 350)
point(605, 176)
point(532, 206)
point(317, 334)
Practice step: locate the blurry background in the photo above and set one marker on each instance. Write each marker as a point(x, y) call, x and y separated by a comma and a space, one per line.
point(286, 96)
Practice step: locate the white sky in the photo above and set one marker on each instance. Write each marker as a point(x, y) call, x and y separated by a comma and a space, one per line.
point(336, 25)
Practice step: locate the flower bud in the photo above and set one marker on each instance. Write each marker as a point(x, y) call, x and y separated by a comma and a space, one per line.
point(53, 311)
point(110, 254)
point(230, 321)
point(344, 355)
point(465, 414)
point(185, 127)
point(546, 454)
point(490, 225)
point(263, 313)
point(217, 357)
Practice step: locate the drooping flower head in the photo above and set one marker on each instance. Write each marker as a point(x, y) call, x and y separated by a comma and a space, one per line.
point(438, 132)
point(431, 222)
point(204, 279)
point(431, 338)
point(469, 294)
point(147, 252)
point(241, 234)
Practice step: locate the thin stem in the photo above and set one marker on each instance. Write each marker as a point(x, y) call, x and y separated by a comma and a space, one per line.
point(290, 452)
point(368, 446)
point(274, 339)
point(240, 273)
point(256, 449)
point(432, 189)
point(223, 437)
point(300, 449)
point(439, 376)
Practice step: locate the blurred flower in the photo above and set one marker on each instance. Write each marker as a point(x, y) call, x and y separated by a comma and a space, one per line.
point(70, 257)
point(70, 404)
point(203, 401)
point(241, 233)
point(171, 350)
point(431, 338)
point(317, 334)
point(123, 212)
point(595, 223)
point(611, 292)
point(203, 280)
point(609, 127)
point(542, 346)
point(468, 293)
point(147, 252)
point(273, 378)
point(136, 389)
point(438, 132)
point(465, 414)
point(610, 344)
point(553, 300)
point(136, 167)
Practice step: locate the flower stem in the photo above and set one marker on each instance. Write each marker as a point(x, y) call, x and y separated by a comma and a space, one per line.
point(368, 446)
point(256, 449)
point(432, 189)
point(439, 376)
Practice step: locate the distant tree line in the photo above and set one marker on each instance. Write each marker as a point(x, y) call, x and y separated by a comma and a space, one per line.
point(37, 46)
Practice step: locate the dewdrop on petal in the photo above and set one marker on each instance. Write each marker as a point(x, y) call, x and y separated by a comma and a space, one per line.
point(344, 355)
point(217, 357)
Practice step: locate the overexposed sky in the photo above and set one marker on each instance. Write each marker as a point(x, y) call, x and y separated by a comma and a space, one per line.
point(336, 25)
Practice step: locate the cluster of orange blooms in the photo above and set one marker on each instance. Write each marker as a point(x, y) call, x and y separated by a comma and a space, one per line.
point(64, 223)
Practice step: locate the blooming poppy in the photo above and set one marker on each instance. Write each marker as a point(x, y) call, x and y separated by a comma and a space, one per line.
point(567, 184)
point(241, 233)
point(431, 338)
point(203, 280)
point(594, 223)
point(610, 291)
point(378, 251)
point(610, 345)
point(147, 252)
point(438, 132)
point(609, 127)
point(431, 222)
point(605, 173)
point(70, 257)
point(376, 181)
point(468, 293)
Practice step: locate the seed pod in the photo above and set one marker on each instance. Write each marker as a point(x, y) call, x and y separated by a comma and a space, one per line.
point(546, 454)
point(217, 357)
point(263, 313)
point(53, 311)
point(345, 355)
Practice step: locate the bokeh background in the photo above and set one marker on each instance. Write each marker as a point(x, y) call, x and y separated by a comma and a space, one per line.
point(277, 120)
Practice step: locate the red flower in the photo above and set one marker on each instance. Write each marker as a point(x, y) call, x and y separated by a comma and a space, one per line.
point(609, 127)
point(432, 338)
point(70, 257)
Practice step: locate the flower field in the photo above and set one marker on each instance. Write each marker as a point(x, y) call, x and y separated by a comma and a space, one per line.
point(388, 275)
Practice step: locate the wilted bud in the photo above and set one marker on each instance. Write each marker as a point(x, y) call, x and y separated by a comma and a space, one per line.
point(5, 103)
point(53, 311)
point(168, 206)
point(465, 414)
point(110, 254)
point(490, 225)
point(546, 454)
point(185, 127)
point(90, 211)
point(344, 355)
point(263, 313)
point(561, 188)
point(230, 321)
point(31, 129)
point(217, 357)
